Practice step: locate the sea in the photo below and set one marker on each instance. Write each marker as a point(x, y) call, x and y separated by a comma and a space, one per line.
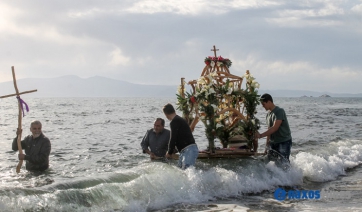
point(96, 162)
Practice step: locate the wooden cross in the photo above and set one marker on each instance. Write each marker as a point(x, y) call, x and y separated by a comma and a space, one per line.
point(17, 94)
point(214, 50)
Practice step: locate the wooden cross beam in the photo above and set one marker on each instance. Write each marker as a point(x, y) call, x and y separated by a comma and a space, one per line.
point(17, 94)
point(214, 50)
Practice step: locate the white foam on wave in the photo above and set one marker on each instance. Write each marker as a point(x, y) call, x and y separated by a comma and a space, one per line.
point(153, 186)
point(330, 161)
point(162, 185)
point(173, 186)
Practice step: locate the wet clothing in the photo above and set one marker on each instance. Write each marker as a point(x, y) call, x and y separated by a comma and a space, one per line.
point(188, 156)
point(283, 134)
point(37, 152)
point(157, 143)
point(281, 140)
point(181, 135)
point(283, 148)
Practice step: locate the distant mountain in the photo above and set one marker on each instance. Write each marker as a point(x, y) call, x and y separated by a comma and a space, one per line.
point(74, 86)
point(305, 93)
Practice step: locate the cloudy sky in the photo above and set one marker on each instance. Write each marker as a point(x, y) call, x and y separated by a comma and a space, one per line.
point(302, 45)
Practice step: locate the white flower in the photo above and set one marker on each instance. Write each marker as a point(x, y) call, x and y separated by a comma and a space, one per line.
point(209, 77)
point(255, 85)
point(214, 106)
point(211, 90)
point(219, 64)
point(253, 122)
point(218, 125)
point(214, 74)
point(212, 63)
point(180, 90)
point(205, 91)
point(201, 81)
point(236, 86)
point(230, 90)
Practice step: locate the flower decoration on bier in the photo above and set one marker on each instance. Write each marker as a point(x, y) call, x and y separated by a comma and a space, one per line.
point(219, 61)
point(218, 100)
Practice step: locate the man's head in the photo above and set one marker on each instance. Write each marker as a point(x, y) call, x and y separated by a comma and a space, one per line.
point(267, 101)
point(158, 125)
point(35, 128)
point(169, 111)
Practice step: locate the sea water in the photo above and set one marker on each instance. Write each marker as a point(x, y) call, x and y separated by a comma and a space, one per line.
point(96, 162)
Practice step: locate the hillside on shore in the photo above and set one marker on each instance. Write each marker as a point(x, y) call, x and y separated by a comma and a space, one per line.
point(74, 86)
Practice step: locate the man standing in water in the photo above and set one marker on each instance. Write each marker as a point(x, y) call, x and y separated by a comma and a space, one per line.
point(181, 138)
point(279, 137)
point(37, 148)
point(156, 139)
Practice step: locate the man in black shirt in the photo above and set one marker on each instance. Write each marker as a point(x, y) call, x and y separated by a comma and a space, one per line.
point(181, 138)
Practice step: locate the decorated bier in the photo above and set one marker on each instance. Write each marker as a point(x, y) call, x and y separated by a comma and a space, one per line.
point(226, 109)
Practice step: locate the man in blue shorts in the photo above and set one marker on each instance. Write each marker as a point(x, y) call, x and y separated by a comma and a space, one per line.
point(278, 135)
point(181, 138)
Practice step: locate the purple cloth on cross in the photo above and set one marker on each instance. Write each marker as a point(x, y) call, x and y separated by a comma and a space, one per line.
point(22, 103)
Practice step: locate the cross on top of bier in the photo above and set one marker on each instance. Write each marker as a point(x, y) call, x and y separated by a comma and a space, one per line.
point(214, 50)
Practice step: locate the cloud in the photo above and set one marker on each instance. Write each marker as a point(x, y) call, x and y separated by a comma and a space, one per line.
point(324, 14)
point(195, 7)
point(117, 58)
point(294, 75)
point(357, 9)
point(158, 42)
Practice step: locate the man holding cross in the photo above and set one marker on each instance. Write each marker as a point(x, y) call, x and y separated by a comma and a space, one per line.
point(38, 162)
point(37, 148)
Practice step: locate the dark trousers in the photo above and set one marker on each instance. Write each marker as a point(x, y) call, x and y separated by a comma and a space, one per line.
point(283, 148)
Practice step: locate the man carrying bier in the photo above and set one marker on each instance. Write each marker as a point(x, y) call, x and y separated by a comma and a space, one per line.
point(155, 142)
point(181, 138)
point(278, 135)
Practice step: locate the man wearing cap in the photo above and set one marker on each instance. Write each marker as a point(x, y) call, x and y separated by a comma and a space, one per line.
point(278, 135)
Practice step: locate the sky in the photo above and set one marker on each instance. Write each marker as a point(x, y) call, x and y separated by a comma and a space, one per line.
point(311, 45)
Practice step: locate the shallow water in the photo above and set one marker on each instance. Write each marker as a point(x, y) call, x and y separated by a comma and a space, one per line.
point(97, 165)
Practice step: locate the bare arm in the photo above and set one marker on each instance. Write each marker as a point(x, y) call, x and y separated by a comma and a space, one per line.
point(267, 144)
point(271, 130)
